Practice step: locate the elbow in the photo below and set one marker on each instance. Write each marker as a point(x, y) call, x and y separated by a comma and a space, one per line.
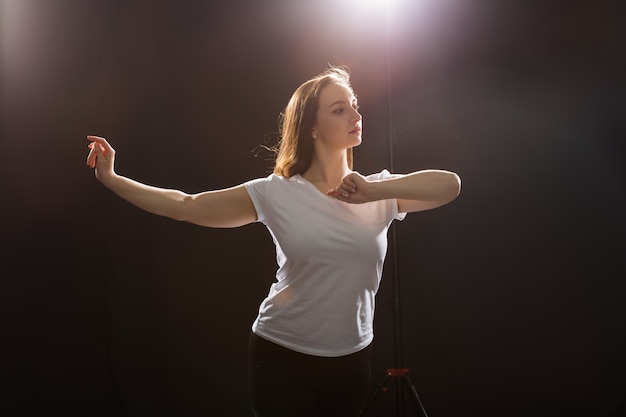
point(457, 185)
point(182, 209)
point(453, 188)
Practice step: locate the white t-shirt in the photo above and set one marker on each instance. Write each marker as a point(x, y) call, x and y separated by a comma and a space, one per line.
point(330, 258)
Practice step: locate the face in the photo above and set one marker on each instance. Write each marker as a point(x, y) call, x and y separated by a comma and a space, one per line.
point(338, 124)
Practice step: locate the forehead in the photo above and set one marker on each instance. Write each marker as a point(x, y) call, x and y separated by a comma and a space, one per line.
point(336, 92)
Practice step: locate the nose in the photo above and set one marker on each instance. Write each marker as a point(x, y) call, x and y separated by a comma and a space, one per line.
point(356, 116)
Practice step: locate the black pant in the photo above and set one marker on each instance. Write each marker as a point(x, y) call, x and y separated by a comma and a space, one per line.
point(284, 383)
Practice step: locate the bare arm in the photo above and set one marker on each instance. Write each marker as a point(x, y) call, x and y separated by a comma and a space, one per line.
point(231, 207)
point(418, 191)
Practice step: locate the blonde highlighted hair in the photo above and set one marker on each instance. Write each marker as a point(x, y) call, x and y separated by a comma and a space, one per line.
point(295, 148)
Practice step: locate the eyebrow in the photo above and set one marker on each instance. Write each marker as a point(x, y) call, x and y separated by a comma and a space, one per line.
point(342, 102)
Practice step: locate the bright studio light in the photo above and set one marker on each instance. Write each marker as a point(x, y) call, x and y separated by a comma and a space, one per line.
point(389, 12)
point(383, 7)
point(376, 3)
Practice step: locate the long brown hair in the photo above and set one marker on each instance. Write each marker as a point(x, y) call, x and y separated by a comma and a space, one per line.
point(295, 148)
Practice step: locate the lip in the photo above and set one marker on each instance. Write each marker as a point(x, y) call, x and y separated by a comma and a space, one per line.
point(356, 130)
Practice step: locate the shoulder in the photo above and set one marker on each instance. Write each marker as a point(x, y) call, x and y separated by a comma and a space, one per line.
point(271, 185)
point(259, 183)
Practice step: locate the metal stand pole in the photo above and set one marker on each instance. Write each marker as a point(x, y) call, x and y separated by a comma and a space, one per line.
point(400, 373)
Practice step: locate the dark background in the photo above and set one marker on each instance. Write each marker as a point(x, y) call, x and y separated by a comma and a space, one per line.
point(511, 296)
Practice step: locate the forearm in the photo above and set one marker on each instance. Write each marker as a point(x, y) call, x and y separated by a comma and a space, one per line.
point(160, 201)
point(426, 185)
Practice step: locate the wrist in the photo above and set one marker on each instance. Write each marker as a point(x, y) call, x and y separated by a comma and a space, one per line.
point(108, 179)
point(376, 190)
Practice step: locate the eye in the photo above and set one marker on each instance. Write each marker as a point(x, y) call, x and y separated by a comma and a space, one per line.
point(339, 110)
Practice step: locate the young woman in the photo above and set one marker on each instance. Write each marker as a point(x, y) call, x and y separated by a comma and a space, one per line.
point(310, 345)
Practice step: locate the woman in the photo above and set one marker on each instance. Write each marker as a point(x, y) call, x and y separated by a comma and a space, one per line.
point(310, 345)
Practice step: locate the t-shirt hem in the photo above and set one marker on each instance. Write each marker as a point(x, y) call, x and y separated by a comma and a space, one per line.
point(313, 352)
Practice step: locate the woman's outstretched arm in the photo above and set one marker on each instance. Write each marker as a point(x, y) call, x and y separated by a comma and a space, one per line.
point(231, 207)
point(418, 191)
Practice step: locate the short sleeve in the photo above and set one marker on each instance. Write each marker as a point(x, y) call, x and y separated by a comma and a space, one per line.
point(257, 189)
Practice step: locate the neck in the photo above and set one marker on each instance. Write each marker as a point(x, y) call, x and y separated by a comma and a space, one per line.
point(327, 169)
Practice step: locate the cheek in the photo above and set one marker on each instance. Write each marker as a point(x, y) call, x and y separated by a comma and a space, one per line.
point(328, 127)
point(324, 127)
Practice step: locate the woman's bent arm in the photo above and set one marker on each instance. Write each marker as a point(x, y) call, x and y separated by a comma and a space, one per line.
point(421, 190)
point(231, 207)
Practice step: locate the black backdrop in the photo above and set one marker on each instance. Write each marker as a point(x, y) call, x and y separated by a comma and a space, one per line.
point(511, 296)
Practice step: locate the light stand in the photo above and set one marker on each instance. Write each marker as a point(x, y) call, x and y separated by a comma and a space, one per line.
point(402, 375)
point(399, 373)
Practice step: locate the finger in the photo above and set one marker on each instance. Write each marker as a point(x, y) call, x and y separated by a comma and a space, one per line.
point(346, 188)
point(342, 194)
point(335, 193)
point(91, 158)
point(91, 155)
point(105, 147)
point(101, 141)
point(93, 139)
point(349, 181)
point(95, 153)
point(94, 148)
point(99, 152)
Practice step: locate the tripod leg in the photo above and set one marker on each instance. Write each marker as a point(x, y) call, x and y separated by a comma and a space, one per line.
point(416, 398)
point(369, 402)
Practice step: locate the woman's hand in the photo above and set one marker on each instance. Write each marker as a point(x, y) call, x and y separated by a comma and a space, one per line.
point(354, 188)
point(101, 157)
